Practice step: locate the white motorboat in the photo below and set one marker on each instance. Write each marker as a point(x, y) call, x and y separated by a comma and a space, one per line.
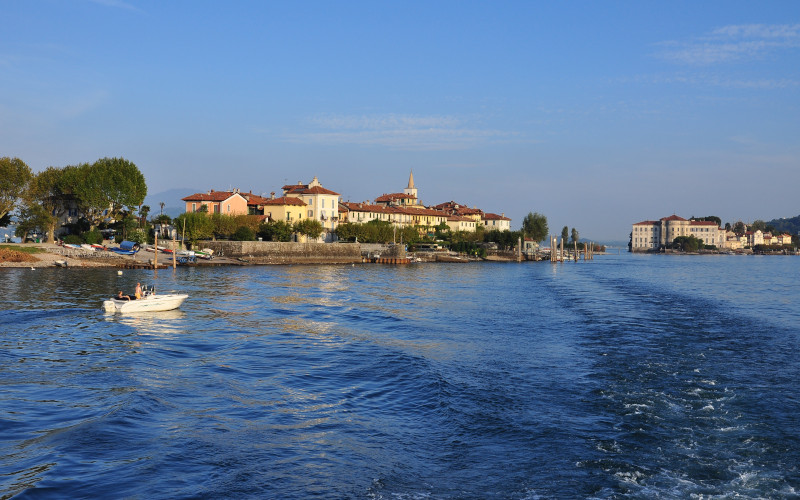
point(150, 302)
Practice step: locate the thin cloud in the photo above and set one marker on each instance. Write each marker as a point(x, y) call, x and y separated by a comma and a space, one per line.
point(732, 43)
point(119, 4)
point(715, 81)
point(402, 132)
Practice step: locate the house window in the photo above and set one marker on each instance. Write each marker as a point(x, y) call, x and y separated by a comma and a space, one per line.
point(216, 208)
point(229, 208)
point(311, 213)
point(194, 207)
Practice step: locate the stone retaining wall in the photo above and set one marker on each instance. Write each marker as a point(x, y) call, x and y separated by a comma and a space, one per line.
point(273, 252)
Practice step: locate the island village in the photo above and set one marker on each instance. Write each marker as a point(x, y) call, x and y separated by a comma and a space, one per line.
point(309, 223)
point(299, 205)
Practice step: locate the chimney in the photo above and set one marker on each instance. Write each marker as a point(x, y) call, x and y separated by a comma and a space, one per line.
point(503, 214)
point(272, 195)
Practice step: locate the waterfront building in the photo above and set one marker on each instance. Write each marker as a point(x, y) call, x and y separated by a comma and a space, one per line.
point(494, 221)
point(461, 210)
point(652, 235)
point(216, 202)
point(361, 213)
point(459, 223)
point(289, 209)
point(754, 238)
point(321, 204)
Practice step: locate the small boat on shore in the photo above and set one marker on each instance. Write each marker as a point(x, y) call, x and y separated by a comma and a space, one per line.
point(126, 248)
point(150, 302)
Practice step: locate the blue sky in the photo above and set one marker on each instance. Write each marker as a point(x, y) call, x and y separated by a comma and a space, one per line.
point(596, 114)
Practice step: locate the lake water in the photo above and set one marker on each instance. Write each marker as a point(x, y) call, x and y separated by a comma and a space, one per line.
point(628, 376)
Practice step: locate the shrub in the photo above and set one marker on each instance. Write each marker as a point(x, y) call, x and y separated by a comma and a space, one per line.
point(93, 237)
point(73, 239)
point(244, 233)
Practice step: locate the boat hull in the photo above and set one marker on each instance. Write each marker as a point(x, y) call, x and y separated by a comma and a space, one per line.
point(151, 303)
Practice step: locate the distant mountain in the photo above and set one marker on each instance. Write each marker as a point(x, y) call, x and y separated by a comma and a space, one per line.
point(173, 206)
point(791, 225)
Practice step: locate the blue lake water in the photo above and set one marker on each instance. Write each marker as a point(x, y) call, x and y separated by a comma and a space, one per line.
point(628, 376)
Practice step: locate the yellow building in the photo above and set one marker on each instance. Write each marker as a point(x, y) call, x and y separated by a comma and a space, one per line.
point(286, 208)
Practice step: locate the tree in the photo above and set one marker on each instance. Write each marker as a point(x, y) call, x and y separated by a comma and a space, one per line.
point(14, 178)
point(310, 227)
point(575, 236)
point(144, 210)
point(32, 219)
point(739, 228)
point(278, 230)
point(105, 188)
point(564, 233)
point(534, 226)
point(162, 219)
point(727, 226)
point(687, 243)
point(758, 225)
point(198, 226)
point(161, 204)
point(46, 189)
point(243, 233)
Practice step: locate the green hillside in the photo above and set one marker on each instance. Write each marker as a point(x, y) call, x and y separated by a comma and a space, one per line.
point(790, 225)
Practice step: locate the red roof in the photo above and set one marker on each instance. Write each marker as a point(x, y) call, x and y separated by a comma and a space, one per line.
point(394, 196)
point(210, 196)
point(367, 207)
point(673, 217)
point(284, 200)
point(458, 218)
point(494, 217)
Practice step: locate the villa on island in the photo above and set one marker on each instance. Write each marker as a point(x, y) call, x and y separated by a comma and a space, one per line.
point(652, 235)
point(313, 201)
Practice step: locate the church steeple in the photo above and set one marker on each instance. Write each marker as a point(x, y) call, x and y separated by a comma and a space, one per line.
point(411, 190)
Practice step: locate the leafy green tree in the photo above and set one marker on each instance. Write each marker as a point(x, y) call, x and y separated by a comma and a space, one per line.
point(47, 189)
point(162, 219)
point(105, 188)
point(194, 226)
point(534, 226)
point(575, 235)
point(278, 230)
point(739, 228)
point(310, 227)
point(224, 225)
point(14, 178)
point(758, 225)
point(564, 234)
point(32, 218)
point(687, 243)
point(243, 233)
point(347, 231)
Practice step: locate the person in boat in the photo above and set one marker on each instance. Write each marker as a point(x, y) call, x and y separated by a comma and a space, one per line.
point(120, 296)
point(138, 292)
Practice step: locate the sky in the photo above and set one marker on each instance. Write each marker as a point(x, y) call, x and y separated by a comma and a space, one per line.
point(595, 114)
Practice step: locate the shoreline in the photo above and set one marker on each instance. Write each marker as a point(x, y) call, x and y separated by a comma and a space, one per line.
point(57, 256)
